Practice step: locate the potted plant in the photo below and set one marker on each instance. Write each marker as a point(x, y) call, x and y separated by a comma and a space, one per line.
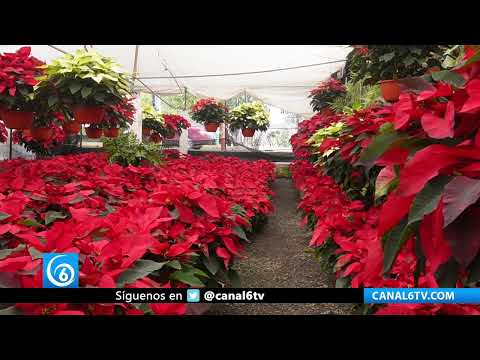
point(118, 116)
point(41, 129)
point(324, 94)
point(155, 137)
point(152, 122)
point(386, 64)
point(249, 117)
point(174, 124)
point(19, 74)
point(210, 113)
point(41, 147)
point(94, 131)
point(87, 83)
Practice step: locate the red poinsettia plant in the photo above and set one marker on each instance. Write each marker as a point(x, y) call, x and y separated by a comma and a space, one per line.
point(209, 111)
point(325, 93)
point(175, 123)
point(18, 75)
point(119, 115)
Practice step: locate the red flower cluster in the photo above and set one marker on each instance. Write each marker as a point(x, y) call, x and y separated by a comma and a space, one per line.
point(331, 84)
point(200, 104)
point(362, 50)
point(115, 216)
point(306, 129)
point(176, 122)
point(17, 69)
point(120, 114)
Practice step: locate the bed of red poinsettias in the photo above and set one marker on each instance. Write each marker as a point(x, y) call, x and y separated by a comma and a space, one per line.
point(190, 214)
point(353, 230)
point(419, 227)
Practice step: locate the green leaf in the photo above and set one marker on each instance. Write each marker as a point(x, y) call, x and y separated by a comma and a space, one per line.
point(4, 216)
point(140, 269)
point(416, 51)
point(234, 278)
point(174, 213)
point(427, 199)
point(51, 216)
point(449, 77)
point(237, 230)
point(409, 60)
point(86, 91)
point(7, 252)
point(34, 253)
point(76, 200)
point(474, 271)
point(393, 242)
point(447, 274)
point(187, 277)
point(378, 146)
point(74, 87)
point(387, 57)
point(30, 222)
point(52, 100)
point(174, 264)
point(109, 209)
point(212, 264)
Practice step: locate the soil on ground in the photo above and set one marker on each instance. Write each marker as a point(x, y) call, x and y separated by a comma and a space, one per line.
point(277, 258)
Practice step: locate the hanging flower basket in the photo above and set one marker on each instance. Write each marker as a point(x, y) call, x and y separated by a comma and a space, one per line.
point(41, 134)
point(390, 90)
point(111, 132)
point(93, 132)
point(211, 127)
point(88, 114)
point(248, 132)
point(18, 120)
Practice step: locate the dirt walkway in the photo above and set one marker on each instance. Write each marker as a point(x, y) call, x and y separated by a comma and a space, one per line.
point(277, 258)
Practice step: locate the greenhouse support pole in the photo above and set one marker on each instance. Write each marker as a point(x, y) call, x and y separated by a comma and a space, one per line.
point(10, 150)
point(185, 100)
point(223, 143)
point(136, 126)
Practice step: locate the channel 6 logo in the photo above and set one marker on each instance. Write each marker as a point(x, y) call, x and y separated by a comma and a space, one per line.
point(60, 270)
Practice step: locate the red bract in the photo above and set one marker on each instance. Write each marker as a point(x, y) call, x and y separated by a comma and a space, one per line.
point(114, 216)
point(176, 122)
point(329, 85)
point(209, 102)
point(19, 70)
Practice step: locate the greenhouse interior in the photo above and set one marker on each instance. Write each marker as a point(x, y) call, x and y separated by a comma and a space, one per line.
point(239, 179)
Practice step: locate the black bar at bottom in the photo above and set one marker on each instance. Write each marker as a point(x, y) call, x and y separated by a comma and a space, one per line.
point(126, 295)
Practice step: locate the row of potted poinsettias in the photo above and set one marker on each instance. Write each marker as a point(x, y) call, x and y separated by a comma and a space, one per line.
point(157, 126)
point(75, 89)
point(248, 117)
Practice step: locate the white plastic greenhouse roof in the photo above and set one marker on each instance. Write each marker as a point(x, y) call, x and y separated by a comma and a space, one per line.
point(279, 75)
